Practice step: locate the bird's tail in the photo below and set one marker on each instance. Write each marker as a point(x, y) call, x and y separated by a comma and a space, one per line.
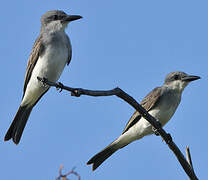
point(16, 129)
point(99, 158)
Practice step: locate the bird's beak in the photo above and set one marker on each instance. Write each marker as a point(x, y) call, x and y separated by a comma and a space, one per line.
point(72, 18)
point(190, 78)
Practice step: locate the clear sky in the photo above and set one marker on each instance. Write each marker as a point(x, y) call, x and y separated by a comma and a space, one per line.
point(130, 44)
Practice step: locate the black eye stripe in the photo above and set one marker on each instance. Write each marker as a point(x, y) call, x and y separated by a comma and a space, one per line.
point(176, 77)
point(55, 17)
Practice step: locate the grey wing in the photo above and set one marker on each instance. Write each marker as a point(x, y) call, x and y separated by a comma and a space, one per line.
point(37, 50)
point(147, 103)
point(69, 50)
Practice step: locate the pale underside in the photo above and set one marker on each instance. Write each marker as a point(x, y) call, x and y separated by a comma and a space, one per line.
point(49, 64)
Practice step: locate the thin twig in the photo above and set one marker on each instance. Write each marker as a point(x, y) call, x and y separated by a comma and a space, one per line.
point(188, 156)
point(64, 176)
point(130, 100)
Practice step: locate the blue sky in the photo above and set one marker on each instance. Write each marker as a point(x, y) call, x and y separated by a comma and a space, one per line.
point(130, 44)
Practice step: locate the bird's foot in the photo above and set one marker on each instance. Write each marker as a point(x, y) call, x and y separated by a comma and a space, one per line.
point(156, 130)
point(59, 86)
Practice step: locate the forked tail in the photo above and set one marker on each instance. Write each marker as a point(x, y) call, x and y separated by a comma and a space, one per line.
point(18, 124)
point(99, 158)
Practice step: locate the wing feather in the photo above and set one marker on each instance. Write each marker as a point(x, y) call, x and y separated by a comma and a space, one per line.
point(37, 50)
point(147, 103)
point(70, 51)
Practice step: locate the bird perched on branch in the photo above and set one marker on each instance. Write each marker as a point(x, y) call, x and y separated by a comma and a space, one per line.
point(50, 53)
point(161, 103)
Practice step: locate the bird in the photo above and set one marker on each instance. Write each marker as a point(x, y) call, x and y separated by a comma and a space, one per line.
point(161, 103)
point(50, 53)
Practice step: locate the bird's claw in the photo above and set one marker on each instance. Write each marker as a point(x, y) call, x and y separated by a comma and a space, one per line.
point(59, 87)
point(155, 130)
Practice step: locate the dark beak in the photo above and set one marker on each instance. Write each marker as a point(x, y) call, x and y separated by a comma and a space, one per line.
point(190, 78)
point(72, 18)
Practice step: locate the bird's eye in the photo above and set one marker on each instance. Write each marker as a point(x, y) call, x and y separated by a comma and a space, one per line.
point(55, 17)
point(176, 77)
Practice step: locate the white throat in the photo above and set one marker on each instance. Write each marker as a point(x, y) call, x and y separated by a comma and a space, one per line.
point(55, 26)
point(177, 85)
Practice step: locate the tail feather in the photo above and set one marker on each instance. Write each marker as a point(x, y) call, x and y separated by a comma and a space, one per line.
point(16, 129)
point(99, 158)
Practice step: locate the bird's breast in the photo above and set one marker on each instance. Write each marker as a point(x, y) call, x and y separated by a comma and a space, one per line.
point(49, 65)
point(54, 58)
point(166, 108)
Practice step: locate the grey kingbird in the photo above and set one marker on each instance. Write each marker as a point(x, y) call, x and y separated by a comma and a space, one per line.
point(50, 53)
point(161, 103)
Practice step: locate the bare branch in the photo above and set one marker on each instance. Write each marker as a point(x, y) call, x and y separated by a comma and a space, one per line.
point(130, 100)
point(188, 157)
point(60, 169)
point(64, 176)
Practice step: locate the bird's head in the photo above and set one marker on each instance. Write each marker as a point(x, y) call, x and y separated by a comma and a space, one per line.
point(179, 80)
point(57, 19)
